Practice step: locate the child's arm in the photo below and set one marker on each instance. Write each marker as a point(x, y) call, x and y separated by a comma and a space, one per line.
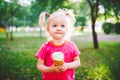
point(43, 68)
point(74, 64)
point(71, 65)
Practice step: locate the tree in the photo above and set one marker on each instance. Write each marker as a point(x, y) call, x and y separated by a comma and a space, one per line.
point(111, 8)
point(94, 13)
point(8, 11)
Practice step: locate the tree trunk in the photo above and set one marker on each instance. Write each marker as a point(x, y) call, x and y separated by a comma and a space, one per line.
point(105, 15)
point(40, 31)
point(7, 30)
point(11, 28)
point(11, 33)
point(6, 33)
point(94, 11)
point(95, 41)
point(93, 17)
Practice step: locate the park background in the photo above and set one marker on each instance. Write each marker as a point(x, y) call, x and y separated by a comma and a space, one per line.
point(96, 34)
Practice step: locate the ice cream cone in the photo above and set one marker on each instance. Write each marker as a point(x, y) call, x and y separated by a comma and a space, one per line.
point(58, 62)
point(58, 58)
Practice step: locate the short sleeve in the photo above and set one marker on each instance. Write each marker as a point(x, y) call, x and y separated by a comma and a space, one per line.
point(76, 51)
point(41, 52)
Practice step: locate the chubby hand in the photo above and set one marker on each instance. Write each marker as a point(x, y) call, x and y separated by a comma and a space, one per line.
point(55, 68)
point(63, 67)
point(60, 68)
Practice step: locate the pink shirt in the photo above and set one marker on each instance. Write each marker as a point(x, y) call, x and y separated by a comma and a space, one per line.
point(70, 51)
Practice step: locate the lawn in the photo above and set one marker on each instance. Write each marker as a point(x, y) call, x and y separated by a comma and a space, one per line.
point(17, 60)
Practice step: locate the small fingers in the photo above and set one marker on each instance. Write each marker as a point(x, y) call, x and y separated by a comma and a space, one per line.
point(57, 69)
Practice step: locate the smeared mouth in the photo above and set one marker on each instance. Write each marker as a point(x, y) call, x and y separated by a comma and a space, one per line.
point(58, 33)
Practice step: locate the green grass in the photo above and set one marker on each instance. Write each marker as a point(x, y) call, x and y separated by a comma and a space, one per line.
point(106, 57)
point(17, 60)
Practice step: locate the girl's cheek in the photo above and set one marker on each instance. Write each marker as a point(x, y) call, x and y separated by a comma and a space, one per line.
point(64, 29)
point(53, 29)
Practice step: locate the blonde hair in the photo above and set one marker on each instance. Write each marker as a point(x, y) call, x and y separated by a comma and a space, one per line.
point(45, 18)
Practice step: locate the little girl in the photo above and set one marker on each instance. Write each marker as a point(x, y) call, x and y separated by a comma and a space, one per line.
point(58, 25)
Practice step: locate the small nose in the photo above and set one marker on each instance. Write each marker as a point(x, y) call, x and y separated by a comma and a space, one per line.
point(58, 28)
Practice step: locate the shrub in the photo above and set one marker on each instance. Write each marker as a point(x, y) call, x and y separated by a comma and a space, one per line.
point(108, 28)
point(117, 28)
point(100, 72)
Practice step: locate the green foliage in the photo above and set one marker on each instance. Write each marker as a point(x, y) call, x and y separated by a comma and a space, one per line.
point(108, 28)
point(101, 64)
point(26, 15)
point(117, 27)
point(111, 28)
point(17, 58)
point(111, 6)
point(100, 72)
point(81, 21)
point(19, 63)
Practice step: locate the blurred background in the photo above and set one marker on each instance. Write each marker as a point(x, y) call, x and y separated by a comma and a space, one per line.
point(96, 33)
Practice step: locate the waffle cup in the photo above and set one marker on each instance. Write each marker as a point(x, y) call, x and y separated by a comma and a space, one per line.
point(58, 62)
point(58, 58)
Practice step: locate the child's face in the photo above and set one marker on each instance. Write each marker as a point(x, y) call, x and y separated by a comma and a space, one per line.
point(57, 27)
